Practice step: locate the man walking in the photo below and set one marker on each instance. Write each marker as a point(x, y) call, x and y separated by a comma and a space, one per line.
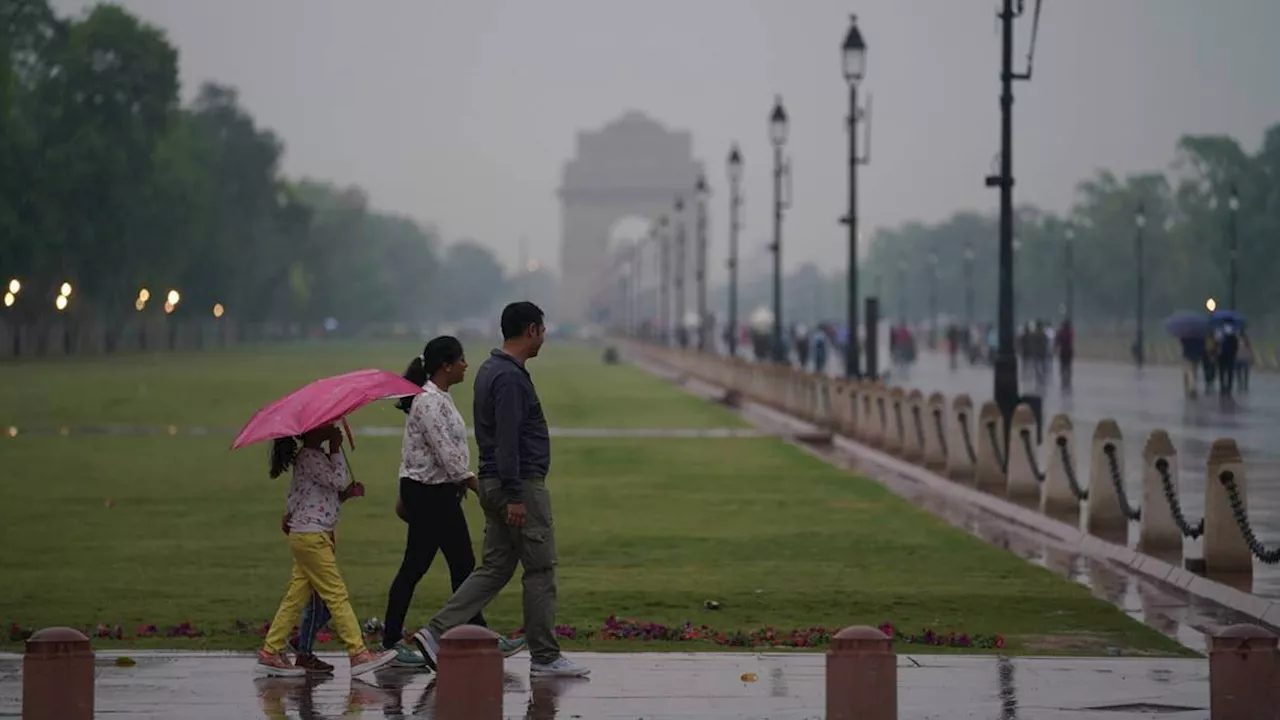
point(515, 455)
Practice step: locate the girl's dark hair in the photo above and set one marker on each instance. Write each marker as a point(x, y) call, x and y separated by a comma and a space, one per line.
point(437, 353)
point(283, 452)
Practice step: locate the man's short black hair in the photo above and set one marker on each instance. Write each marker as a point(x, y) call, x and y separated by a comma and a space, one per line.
point(517, 317)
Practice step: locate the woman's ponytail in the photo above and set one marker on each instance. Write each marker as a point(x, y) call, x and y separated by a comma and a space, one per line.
point(437, 353)
point(416, 374)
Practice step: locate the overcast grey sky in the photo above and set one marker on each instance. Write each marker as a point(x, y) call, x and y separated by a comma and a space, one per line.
point(462, 112)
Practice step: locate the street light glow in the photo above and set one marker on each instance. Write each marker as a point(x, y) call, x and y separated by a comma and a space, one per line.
point(144, 295)
point(139, 304)
point(60, 303)
point(9, 299)
point(14, 286)
point(1210, 304)
point(168, 308)
point(65, 290)
point(218, 310)
point(173, 297)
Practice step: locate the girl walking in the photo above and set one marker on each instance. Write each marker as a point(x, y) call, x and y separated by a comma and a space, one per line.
point(318, 488)
point(435, 473)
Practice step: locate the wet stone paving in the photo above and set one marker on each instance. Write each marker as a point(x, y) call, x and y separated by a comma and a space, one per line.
point(776, 686)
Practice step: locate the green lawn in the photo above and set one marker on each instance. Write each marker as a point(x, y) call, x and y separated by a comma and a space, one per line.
point(224, 388)
point(648, 529)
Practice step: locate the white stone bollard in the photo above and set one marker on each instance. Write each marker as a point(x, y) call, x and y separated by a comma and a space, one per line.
point(913, 426)
point(874, 405)
point(1056, 497)
point(1225, 549)
point(935, 432)
point(894, 424)
point(1023, 474)
point(1105, 514)
point(1157, 530)
point(989, 472)
point(960, 464)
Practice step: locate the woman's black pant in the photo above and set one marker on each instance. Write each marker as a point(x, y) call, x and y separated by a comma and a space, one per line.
point(436, 522)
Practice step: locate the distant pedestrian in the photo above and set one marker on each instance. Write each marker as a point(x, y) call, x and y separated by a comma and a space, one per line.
point(318, 488)
point(515, 457)
point(1065, 343)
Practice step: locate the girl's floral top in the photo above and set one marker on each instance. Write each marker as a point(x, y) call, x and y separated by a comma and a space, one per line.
point(434, 450)
point(314, 500)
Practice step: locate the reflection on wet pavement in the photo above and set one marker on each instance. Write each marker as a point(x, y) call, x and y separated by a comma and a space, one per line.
point(1142, 401)
point(191, 686)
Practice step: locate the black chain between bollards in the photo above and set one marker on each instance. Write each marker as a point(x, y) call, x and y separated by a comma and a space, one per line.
point(1001, 460)
point(942, 434)
point(1109, 449)
point(968, 441)
point(897, 419)
point(1175, 505)
point(1031, 454)
point(915, 418)
point(1270, 557)
point(1080, 493)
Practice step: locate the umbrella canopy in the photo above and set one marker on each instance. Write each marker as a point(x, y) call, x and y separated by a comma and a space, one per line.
point(1187, 325)
point(1222, 317)
point(321, 403)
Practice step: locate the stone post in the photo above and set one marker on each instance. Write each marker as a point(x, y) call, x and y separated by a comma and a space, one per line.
point(57, 676)
point(1105, 517)
point(469, 679)
point(1057, 499)
point(935, 428)
point(895, 424)
point(1243, 674)
point(960, 466)
point(1023, 455)
point(1157, 530)
point(872, 427)
point(913, 426)
point(988, 472)
point(1225, 550)
point(862, 676)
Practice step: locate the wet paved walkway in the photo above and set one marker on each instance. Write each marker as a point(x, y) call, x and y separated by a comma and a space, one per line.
point(1142, 401)
point(190, 686)
point(14, 431)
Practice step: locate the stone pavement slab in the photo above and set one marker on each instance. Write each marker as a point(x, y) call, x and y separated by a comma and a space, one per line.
point(777, 686)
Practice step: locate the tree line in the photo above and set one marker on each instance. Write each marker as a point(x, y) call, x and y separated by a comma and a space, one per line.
point(111, 186)
point(1189, 218)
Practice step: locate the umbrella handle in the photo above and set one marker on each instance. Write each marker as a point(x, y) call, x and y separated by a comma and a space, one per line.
point(351, 438)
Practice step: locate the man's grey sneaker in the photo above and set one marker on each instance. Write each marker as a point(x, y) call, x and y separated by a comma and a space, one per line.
point(511, 646)
point(560, 667)
point(428, 645)
point(407, 656)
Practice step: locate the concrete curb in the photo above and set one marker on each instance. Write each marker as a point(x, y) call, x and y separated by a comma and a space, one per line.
point(1260, 609)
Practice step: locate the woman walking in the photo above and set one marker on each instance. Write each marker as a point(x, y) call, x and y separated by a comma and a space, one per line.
point(435, 473)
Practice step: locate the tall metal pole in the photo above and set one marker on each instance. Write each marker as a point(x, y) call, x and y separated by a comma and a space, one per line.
point(968, 285)
point(664, 287)
point(933, 299)
point(1006, 361)
point(851, 349)
point(637, 276)
point(1139, 345)
point(1069, 263)
point(1233, 207)
point(681, 336)
point(735, 202)
point(902, 291)
point(779, 354)
point(702, 273)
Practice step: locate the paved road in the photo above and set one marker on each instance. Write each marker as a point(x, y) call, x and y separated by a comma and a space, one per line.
point(1141, 401)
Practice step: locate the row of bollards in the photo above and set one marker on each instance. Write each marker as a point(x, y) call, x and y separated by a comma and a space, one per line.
point(861, 677)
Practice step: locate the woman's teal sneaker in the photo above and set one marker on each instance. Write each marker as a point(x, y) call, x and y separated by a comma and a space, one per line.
point(510, 647)
point(407, 656)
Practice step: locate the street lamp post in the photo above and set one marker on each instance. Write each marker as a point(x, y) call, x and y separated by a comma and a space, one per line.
point(1139, 342)
point(1069, 269)
point(681, 336)
point(968, 284)
point(637, 287)
point(664, 286)
point(933, 300)
point(853, 53)
point(781, 172)
point(1233, 205)
point(735, 202)
point(702, 192)
point(902, 291)
point(1006, 360)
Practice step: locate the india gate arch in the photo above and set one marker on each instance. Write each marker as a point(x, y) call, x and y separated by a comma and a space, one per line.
point(632, 167)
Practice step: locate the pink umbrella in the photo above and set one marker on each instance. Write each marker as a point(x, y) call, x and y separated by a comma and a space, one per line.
point(321, 403)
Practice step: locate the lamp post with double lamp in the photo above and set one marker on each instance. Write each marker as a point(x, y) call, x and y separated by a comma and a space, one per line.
point(1069, 269)
point(171, 300)
point(735, 203)
point(701, 193)
point(781, 200)
point(10, 299)
point(853, 57)
point(968, 284)
point(902, 291)
point(61, 303)
point(933, 300)
point(1139, 340)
